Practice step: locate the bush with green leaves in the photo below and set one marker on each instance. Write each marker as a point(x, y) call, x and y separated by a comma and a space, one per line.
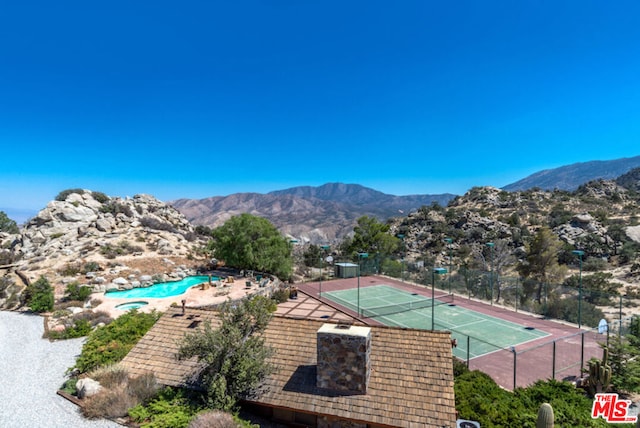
point(62, 196)
point(39, 295)
point(7, 225)
point(111, 343)
point(100, 197)
point(171, 408)
point(280, 295)
point(569, 310)
point(122, 248)
point(77, 292)
point(115, 208)
point(480, 399)
point(79, 328)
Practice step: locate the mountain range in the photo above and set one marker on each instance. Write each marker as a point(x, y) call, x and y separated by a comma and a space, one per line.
point(312, 214)
point(570, 177)
point(327, 213)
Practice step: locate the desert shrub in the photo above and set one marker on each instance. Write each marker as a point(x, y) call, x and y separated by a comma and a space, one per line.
point(108, 403)
point(120, 392)
point(143, 387)
point(110, 375)
point(567, 309)
point(94, 318)
point(5, 284)
point(62, 196)
point(75, 291)
point(62, 305)
point(156, 224)
point(70, 269)
point(39, 295)
point(100, 197)
point(7, 225)
point(7, 257)
point(91, 267)
point(594, 264)
point(115, 208)
point(203, 230)
point(121, 249)
point(213, 419)
point(110, 343)
point(280, 295)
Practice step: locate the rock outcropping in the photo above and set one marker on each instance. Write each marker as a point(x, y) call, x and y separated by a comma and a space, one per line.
point(97, 236)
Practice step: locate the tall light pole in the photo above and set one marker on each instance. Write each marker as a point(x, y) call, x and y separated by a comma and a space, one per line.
point(579, 253)
point(490, 245)
point(360, 256)
point(293, 243)
point(449, 241)
point(435, 271)
point(401, 236)
point(324, 251)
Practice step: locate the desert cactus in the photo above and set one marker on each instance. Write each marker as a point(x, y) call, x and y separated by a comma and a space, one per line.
point(545, 416)
point(599, 374)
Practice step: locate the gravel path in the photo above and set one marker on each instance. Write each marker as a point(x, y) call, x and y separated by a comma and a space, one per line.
point(31, 371)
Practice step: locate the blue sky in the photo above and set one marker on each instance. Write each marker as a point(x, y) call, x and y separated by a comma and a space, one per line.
point(204, 98)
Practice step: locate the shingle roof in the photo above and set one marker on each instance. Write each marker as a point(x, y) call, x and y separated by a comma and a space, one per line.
point(411, 381)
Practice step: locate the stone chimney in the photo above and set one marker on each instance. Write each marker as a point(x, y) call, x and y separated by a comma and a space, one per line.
point(344, 361)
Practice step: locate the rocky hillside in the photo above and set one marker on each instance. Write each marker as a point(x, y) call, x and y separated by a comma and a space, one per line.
point(96, 238)
point(600, 217)
point(321, 214)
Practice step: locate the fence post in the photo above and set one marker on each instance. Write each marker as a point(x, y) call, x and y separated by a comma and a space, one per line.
point(581, 353)
point(620, 326)
point(553, 362)
point(516, 298)
point(513, 349)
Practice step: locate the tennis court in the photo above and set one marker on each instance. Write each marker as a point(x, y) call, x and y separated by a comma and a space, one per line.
point(395, 307)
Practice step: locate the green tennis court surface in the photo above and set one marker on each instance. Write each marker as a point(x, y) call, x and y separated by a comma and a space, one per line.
point(400, 308)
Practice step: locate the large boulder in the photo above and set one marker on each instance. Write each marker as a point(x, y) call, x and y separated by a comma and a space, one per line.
point(87, 387)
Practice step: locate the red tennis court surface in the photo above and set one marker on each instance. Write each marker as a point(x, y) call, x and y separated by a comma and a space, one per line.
point(560, 355)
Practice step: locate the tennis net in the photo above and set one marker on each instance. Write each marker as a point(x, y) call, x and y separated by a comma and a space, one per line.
point(380, 311)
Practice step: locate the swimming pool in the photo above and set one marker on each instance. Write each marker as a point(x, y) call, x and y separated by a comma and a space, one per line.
point(162, 289)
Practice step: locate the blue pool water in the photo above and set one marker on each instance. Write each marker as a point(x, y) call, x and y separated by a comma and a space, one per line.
point(162, 289)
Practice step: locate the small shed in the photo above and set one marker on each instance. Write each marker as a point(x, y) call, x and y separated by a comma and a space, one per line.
point(346, 270)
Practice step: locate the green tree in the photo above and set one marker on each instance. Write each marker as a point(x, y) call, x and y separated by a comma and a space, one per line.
point(249, 242)
point(234, 354)
point(313, 256)
point(541, 262)
point(75, 291)
point(597, 288)
point(39, 295)
point(371, 236)
point(7, 225)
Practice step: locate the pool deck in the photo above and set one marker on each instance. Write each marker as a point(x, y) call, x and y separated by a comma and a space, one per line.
point(194, 297)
